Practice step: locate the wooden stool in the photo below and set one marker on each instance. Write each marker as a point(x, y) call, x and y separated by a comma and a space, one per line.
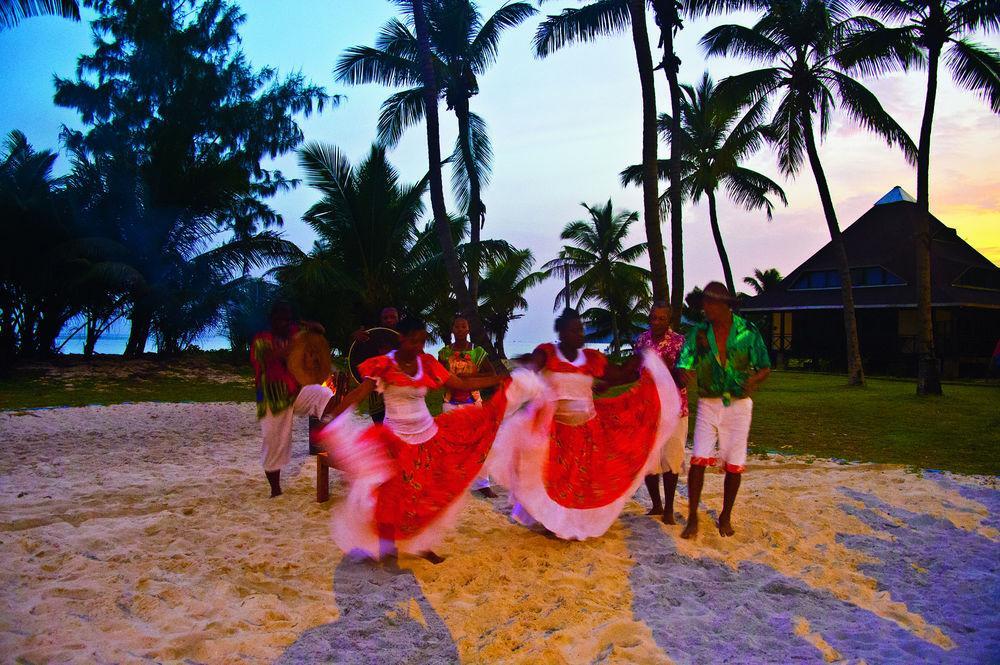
point(322, 477)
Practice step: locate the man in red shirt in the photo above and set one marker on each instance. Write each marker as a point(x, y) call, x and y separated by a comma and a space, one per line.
point(279, 395)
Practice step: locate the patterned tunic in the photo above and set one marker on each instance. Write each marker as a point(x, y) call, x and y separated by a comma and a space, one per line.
point(276, 387)
point(669, 348)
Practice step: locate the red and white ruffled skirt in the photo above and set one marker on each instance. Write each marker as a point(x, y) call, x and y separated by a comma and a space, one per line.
point(405, 497)
point(576, 479)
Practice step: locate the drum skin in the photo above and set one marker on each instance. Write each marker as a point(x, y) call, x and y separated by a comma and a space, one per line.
point(309, 358)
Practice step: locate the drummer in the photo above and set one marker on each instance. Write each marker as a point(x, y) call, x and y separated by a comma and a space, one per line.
point(279, 395)
point(388, 318)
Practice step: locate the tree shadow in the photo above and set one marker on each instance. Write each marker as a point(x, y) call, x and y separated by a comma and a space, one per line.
point(948, 575)
point(702, 611)
point(381, 607)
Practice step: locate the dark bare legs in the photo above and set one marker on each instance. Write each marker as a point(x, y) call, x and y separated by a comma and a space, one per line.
point(730, 489)
point(666, 506)
point(696, 480)
point(274, 480)
point(653, 487)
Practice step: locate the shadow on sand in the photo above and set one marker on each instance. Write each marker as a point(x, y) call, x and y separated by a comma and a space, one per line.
point(949, 576)
point(381, 607)
point(702, 611)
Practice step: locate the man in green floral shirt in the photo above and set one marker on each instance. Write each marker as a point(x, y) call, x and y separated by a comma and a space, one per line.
point(728, 359)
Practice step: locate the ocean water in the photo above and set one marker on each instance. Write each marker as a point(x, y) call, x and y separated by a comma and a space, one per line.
point(113, 343)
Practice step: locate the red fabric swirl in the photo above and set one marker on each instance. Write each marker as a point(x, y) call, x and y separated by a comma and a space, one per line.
point(432, 475)
point(592, 464)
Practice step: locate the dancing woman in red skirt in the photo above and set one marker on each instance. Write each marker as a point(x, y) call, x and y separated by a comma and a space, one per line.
point(570, 461)
point(408, 476)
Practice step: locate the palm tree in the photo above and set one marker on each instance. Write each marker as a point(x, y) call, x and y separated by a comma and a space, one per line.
point(33, 306)
point(763, 281)
point(714, 138)
point(668, 19)
point(366, 229)
point(172, 266)
point(370, 248)
point(800, 38)
point(13, 12)
point(600, 265)
point(504, 285)
point(607, 17)
point(463, 47)
point(929, 29)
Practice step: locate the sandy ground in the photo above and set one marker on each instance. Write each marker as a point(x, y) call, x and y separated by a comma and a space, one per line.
point(143, 533)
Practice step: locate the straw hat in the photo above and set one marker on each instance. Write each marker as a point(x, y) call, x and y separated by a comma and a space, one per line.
point(309, 358)
point(717, 291)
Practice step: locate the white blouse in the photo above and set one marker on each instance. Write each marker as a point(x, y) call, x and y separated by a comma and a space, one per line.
point(406, 412)
point(574, 392)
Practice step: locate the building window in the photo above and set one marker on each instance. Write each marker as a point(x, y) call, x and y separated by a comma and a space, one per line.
point(979, 277)
point(830, 279)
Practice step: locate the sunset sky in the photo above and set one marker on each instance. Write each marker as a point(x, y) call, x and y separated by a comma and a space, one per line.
point(562, 130)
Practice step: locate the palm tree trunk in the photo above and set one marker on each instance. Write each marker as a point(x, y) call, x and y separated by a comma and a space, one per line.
point(615, 334)
point(475, 208)
point(713, 218)
point(855, 372)
point(928, 376)
point(667, 18)
point(90, 341)
point(441, 225)
point(501, 335)
point(650, 196)
point(142, 320)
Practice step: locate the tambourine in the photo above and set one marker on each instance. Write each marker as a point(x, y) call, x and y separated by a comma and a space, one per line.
point(309, 358)
point(380, 342)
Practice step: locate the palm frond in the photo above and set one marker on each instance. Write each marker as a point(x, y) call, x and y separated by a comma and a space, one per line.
point(744, 89)
point(865, 109)
point(399, 112)
point(585, 24)
point(976, 16)
point(482, 156)
point(879, 51)
point(485, 47)
point(740, 41)
point(891, 10)
point(326, 167)
point(977, 68)
point(749, 190)
point(13, 12)
point(785, 133)
point(364, 64)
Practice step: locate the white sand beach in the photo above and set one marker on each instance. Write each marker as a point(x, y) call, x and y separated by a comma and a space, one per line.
point(143, 533)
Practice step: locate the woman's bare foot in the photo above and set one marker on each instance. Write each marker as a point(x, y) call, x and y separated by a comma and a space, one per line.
point(725, 527)
point(432, 557)
point(274, 480)
point(655, 510)
point(668, 518)
point(691, 530)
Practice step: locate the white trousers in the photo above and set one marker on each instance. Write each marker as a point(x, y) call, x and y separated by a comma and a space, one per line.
point(721, 433)
point(277, 427)
point(672, 453)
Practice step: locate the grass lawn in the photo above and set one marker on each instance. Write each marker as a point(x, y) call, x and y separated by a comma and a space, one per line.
point(113, 380)
point(794, 413)
point(819, 415)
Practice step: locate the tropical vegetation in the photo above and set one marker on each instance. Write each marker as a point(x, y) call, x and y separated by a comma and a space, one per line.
point(715, 137)
point(163, 217)
point(601, 270)
point(798, 41)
